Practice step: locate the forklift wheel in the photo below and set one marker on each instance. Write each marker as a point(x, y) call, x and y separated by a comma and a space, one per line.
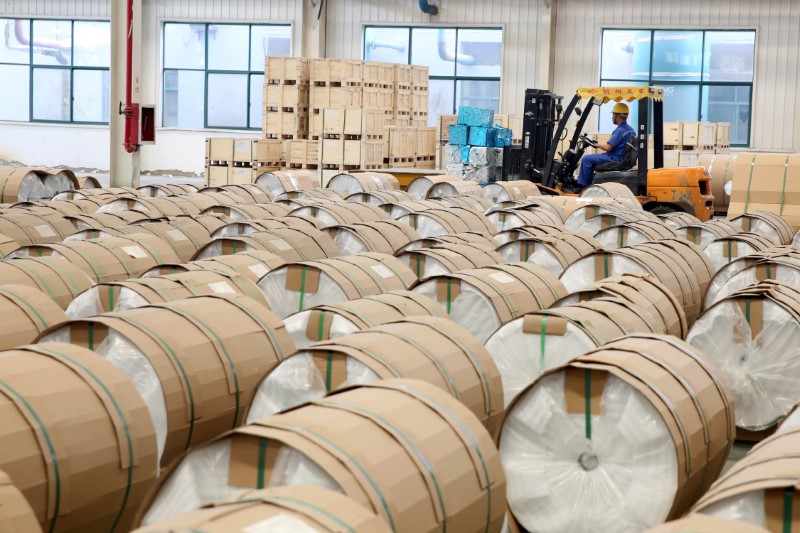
point(663, 210)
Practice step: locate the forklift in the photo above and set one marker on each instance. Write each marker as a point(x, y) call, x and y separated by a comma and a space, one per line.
point(659, 190)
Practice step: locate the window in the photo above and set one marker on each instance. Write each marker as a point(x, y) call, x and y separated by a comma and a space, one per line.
point(706, 75)
point(214, 73)
point(465, 63)
point(63, 77)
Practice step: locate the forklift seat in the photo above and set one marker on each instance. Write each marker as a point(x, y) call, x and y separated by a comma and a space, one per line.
point(629, 158)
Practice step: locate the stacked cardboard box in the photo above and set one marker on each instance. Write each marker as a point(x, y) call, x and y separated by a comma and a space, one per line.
point(685, 141)
point(475, 149)
point(766, 182)
point(419, 96)
point(286, 98)
point(231, 161)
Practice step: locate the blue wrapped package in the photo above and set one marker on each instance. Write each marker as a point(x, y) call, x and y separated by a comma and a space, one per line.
point(464, 153)
point(502, 137)
point(475, 116)
point(459, 134)
point(481, 136)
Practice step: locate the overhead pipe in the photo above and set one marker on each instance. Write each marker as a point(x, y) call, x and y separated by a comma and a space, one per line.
point(428, 8)
point(130, 110)
point(446, 55)
point(53, 48)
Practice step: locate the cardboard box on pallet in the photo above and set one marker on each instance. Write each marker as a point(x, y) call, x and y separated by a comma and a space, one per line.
point(219, 149)
point(294, 69)
point(359, 153)
point(673, 133)
point(268, 151)
point(767, 182)
point(356, 122)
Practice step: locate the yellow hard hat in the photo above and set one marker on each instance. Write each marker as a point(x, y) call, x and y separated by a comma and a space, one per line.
point(621, 109)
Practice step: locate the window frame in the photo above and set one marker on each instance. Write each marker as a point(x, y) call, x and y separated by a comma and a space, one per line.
point(248, 73)
point(701, 83)
point(71, 68)
point(455, 78)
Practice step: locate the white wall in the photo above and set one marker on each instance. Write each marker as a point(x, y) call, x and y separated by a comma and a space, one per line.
point(775, 109)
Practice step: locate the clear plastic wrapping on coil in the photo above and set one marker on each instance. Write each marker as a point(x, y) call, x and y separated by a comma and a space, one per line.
point(540, 255)
point(763, 373)
point(698, 235)
point(297, 324)
point(349, 185)
point(582, 272)
point(233, 229)
point(275, 185)
point(123, 354)
point(598, 191)
point(33, 188)
point(214, 249)
point(298, 380)
point(88, 303)
point(723, 252)
point(748, 507)
point(320, 214)
point(470, 309)
point(623, 479)
point(759, 226)
point(719, 280)
point(285, 302)
point(578, 217)
point(348, 242)
point(431, 266)
point(522, 357)
point(419, 188)
point(746, 277)
point(425, 226)
point(613, 237)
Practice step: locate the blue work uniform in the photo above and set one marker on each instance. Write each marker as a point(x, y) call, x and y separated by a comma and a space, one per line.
point(618, 140)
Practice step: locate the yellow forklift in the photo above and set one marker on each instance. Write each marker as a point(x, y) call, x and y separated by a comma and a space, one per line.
point(660, 190)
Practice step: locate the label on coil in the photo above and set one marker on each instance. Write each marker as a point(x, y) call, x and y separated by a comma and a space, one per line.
point(502, 277)
point(259, 270)
point(134, 251)
point(516, 190)
point(280, 244)
point(44, 230)
point(221, 287)
point(382, 271)
point(176, 235)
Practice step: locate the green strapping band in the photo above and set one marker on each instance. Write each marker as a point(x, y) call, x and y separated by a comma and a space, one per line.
point(328, 371)
point(302, 288)
point(110, 297)
point(588, 407)
point(527, 249)
point(91, 336)
point(694, 237)
point(321, 330)
point(747, 310)
point(419, 265)
point(621, 237)
point(783, 187)
point(50, 447)
point(262, 462)
point(235, 244)
point(605, 265)
point(449, 296)
point(542, 341)
point(730, 250)
point(124, 427)
point(66, 275)
point(24, 302)
point(788, 497)
point(749, 182)
point(769, 271)
point(35, 274)
point(301, 503)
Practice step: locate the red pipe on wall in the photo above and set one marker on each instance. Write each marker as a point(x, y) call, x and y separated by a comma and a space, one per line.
point(130, 110)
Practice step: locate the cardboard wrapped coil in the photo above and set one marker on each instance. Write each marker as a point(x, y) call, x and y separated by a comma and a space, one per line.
point(724, 250)
point(594, 225)
point(447, 259)
point(171, 206)
point(701, 523)
point(207, 199)
point(78, 442)
point(679, 219)
point(7, 245)
point(97, 192)
point(253, 265)
point(478, 203)
point(132, 293)
point(541, 202)
point(288, 181)
point(110, 258)
point(104, 220)
point(760, 489)
point(681, 266)
point(514, 218)
point(399, 208)
point(504, 191)
point(615, 191)
point(448, 221)
point(303, 285)
point(721, 169)
point(642, 290)
point(349, 183)
point(382, 236)
point(529, 346)
point(63, 207)
point(431, 349)
point(419, 187)
point(636, 232)
point(246, 227)
point(332, 214)
point(88, 182)
point(293, 244)
point(331, 321)
point(249, 192)
point(704, 233)
point(580, 210)
point(379, 198)
point(526, 231)
point(166, 189)
point(482, 300)
point(751, 336)
point(454, 188)
point(470, 238)
point(25, 184)
point(195, 361)
point(287, 509)
point(422, 460)
point(16, 514)
point(749, 271)
point(768, 224)
point(28, 229)
point(59, 280)
point(620, 439)
point(315, 196)
point(553, 252)
point(249, 211)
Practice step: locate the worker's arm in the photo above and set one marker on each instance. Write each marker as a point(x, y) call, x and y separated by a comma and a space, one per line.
point(604, 146)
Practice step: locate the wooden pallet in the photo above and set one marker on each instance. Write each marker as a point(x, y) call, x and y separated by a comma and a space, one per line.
point(351, 152)
point(690, 148)
point(284, 125)
point(287, 69)
point(302, 166)
point(337, 71)
point(402, 75)
point(293, 96)
point(419, 76)
point(335, 96)
point(347, 122)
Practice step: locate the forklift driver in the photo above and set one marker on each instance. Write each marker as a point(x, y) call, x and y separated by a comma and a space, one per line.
point(614, 148)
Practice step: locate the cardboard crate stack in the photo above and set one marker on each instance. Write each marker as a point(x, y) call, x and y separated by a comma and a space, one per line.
point(232, 161)
point(419, 96)
point(286, 98)
point(401, 96)
point(685, 141)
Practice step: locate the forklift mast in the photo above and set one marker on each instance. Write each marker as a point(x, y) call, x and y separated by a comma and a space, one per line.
point(542, 113)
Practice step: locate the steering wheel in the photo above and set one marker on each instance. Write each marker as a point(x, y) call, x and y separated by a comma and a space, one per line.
point(589, 141)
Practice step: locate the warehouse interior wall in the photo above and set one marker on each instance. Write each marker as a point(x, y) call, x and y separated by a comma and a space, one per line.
point(547, 44)
point(775, 110)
